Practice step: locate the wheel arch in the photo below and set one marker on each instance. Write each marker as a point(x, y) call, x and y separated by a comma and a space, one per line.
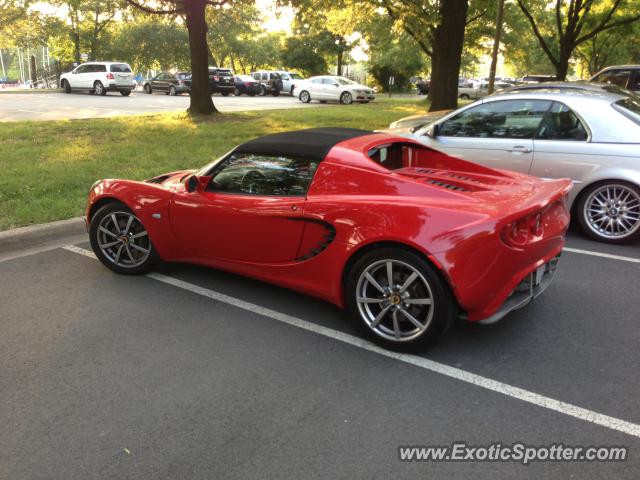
point(624, 177)
point(362, 250)
point(101, 202)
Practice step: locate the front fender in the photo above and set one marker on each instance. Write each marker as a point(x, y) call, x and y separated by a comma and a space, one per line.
point(149, 202)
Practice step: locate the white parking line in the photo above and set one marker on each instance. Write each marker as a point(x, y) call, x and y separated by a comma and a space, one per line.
point(603, 255)
point(456, 373)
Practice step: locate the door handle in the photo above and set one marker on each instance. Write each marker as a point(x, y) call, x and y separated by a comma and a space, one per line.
point(519, 149)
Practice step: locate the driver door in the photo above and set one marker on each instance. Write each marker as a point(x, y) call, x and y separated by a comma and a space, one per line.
point(497, 134)
point(249, 212)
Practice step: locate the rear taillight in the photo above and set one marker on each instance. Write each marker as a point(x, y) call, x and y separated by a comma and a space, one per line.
point(181, 82)
point(247, 84)
point(522, 231)
point(216, 78)
point(110, 76)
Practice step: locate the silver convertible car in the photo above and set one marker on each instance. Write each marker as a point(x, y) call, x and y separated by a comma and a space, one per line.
point(587, 132)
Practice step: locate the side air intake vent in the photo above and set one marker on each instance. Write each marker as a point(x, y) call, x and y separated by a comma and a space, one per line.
point(447, 185)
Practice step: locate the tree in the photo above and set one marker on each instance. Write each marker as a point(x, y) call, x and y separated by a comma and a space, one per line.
point(438, 27)
point(391, 53)
point(574, 22)
point(147, 43)
point(194, 13)
point(301, 52)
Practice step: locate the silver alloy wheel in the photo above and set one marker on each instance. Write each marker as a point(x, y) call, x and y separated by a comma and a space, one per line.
point(98, 88)
point(172, 91)
point(613, 211)
point(346, 98)
point(123, 239)
point(304, 97)
point(394, 300)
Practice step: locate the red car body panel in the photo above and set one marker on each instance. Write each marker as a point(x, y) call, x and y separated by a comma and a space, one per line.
point(452, 211)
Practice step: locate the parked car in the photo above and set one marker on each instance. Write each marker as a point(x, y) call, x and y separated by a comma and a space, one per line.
point(289, 80)
point(625, 76)
point(99, 78)
point(169, 83)
point(447, 238)
point(246, 84)
point(270, 82)
point(221, 81)
point(422, 86)
point(471, 91)
point(588, 132)
point(538, 78)
point(332, 88)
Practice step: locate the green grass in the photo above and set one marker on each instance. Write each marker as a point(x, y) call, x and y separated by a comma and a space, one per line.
point(46, 168)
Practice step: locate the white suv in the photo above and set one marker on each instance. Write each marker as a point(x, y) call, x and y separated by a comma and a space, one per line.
point(99, 78)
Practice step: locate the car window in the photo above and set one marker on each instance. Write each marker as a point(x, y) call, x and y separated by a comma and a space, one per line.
point(329, 81)
point(183, 76)
point(257, 174)
point(81, 69)
point(100, 68)
point(265, 76)
point(635, 84)
point(273, 76)
point(162, 76)
point(615, 77)
point(499, 119)
point(560, 123)
point(256, 76)
point(119, 68)
point(629, 107)
point(316, 80)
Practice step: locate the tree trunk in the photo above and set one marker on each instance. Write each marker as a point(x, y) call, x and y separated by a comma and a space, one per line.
point(562, 68)
point(447, 52)
point(200, 99)
point(339, 68)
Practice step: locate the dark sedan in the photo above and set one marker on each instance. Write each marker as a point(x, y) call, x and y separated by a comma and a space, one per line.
point(247, 85)
point(169, 83)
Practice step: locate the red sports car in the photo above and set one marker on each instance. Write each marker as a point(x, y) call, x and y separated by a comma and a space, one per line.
point(404, 237)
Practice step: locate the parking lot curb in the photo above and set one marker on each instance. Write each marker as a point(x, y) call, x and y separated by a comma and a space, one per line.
point(34, 235)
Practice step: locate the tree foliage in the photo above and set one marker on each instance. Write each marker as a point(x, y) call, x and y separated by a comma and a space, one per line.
point(562, 26)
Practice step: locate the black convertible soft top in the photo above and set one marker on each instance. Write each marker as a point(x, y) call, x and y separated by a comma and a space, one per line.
point(311, 143)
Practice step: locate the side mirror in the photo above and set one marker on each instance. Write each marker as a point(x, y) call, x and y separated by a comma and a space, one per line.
point(191, 184)
point(336, 84)
point(432, 130)
point(195, 183)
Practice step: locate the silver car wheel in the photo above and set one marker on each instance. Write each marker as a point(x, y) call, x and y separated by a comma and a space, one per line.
point(394, 300)
point(613, 211)
point(304, 97)
point(98, 88)
point(123, 239)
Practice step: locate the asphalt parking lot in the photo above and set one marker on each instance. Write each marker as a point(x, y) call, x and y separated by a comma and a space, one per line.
point(20, 106)
point(194, 373)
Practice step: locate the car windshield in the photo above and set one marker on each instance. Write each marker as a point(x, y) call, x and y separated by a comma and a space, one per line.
point(344, 81)
point(120, 68)
point(222, 73)
point(629, 107)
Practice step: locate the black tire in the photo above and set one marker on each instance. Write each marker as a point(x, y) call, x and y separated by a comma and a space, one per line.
point(346, 98)
point(98, 88)
point(437, 317)
point(275, 93)
point(582, 213)
point(464, 96)
point(237, 92)
point(304, 96)
point(224, 94)
point(125, 93)
point(147, 88)
point(172, 91)
point(107, 210)
point(65, 86)
point(252, 94)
